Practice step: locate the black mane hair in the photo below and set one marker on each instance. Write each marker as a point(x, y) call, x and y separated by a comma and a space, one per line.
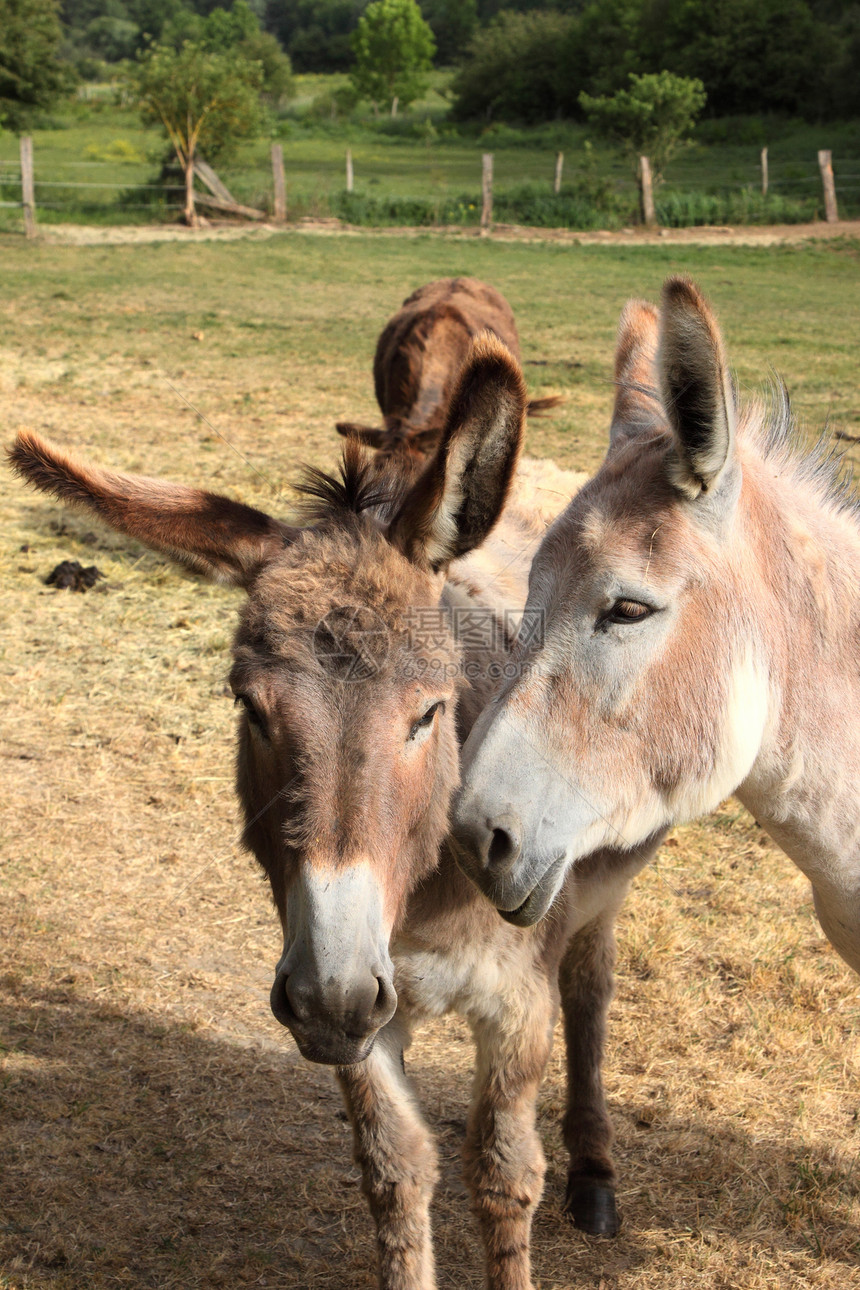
point(355, 489)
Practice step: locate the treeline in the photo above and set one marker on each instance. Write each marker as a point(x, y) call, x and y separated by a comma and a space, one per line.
point(799, 57)
point(529, 60)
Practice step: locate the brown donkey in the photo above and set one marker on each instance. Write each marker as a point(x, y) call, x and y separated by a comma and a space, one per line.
point(702, 630)
point(418, 358)
point(369, 642)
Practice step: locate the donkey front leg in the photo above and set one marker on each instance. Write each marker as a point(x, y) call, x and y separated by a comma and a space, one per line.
point(586, 986)
point(503, 1156)
point(397, 1157)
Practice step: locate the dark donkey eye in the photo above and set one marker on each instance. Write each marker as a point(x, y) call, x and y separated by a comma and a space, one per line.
point(627, 611)
point(251, 712)
point(427, 719)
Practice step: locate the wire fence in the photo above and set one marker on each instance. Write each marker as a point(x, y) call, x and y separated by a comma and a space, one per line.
point(77, 190)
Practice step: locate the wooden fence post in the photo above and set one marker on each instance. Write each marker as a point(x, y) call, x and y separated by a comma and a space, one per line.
point(825, 162)
point(279, 182)
point(646, 189)
point(349, 175)
point(487, 192)
point(764, 172)
point(28, 194)
point(559, 163)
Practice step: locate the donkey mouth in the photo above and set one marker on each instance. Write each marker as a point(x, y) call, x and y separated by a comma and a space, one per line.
point(539, 899)
point(335, 1050)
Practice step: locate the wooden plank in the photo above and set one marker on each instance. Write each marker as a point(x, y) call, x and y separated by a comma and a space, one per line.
point(229, 208)
point(350, 177)
point(280, 182)
point(559, 166)
point(28, 191)
point(207, 176)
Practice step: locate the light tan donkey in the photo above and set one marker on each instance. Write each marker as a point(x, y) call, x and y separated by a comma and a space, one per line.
point(369, 642)
point(701, 601)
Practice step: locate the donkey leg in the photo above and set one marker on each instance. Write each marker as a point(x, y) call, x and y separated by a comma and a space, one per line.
point(503, 1156)
point(586, 985)
point(397, 1157)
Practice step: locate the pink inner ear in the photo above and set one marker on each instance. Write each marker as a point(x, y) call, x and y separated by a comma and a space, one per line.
point(635, 367)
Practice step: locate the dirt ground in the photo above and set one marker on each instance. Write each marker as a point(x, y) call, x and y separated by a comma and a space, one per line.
point(157, 1127)
point(749, 235)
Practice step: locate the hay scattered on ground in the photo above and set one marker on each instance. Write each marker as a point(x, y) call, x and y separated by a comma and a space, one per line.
point(157, 1128)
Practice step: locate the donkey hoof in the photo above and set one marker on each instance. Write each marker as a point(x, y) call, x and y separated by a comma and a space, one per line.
point(592, 1208)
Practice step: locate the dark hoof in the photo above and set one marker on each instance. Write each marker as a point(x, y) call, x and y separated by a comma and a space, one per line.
point(592, 1208)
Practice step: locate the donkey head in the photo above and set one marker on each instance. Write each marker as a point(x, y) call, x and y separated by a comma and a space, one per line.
point(348, 750)
point(644, 704)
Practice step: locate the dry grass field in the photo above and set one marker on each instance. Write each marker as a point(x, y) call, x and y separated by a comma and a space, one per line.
point(157, 1127)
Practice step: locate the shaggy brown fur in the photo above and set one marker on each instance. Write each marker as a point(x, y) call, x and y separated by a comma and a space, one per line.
point(418, 359)
point(346, 774)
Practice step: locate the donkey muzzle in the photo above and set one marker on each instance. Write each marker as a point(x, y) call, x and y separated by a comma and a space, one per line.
point(334, 986)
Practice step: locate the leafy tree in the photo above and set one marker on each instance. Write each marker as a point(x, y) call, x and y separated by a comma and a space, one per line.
point(393, 47)
point(453, 24)
point(315, 33)
point(235, 30)
point(31, 77)
point(516, 68)
point(204, 101)
point(652, 118)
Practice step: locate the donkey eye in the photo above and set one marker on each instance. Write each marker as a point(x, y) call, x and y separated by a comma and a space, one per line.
point(251, 712)
point(627, 611)
point(427, 719)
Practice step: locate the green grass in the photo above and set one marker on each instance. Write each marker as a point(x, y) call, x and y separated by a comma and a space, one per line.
point(423, 169)
point(268, 310)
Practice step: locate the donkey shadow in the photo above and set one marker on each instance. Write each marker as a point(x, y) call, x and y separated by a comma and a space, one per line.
point(138, 1152)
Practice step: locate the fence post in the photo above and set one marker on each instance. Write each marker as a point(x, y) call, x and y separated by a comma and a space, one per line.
point(764, 172)
point(559, 163)
point(831, 214)
point(349, 174)
point(487, 192)
point(28, 194)
point(279, 182)
point(646, 189)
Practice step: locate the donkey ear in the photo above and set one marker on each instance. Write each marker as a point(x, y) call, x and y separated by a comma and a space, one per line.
point(460, 495)
point(635, 372)
point(696, 388)
point(371, 436)
point(223, 539)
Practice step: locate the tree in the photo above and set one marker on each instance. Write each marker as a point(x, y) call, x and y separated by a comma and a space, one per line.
point(393, 46)
point(205, 101)
point(453, 24)
point(236, 31)
point(516, 68)
point(31, 76)
point(652, 118)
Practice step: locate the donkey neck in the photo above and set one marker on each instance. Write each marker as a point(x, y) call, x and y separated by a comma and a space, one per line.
point(799, 583)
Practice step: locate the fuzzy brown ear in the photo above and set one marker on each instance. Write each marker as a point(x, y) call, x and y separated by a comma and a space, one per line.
point(460, 495)
point(696, 388)
point(215, 536)
point(636, 396)
point(372, 436)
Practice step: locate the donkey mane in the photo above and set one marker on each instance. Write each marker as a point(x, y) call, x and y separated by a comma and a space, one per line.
point(819, 466)
point(355, 488)
point(769, 423)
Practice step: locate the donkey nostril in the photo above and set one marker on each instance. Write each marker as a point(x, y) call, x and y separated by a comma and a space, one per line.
point(386, 1000)
point(502, 847)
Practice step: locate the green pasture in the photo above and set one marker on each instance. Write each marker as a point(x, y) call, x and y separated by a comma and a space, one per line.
point(95, 163)
point(292, 321)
